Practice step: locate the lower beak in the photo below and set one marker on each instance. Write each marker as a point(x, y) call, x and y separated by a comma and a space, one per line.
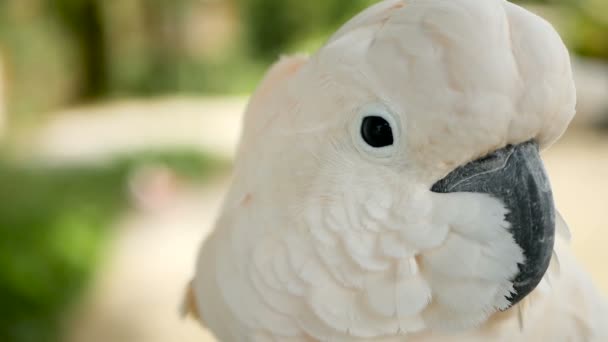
point(516, 176)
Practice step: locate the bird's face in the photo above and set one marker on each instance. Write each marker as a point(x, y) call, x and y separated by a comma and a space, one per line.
point(427, 196)
point(451, 249)
point(392, 183)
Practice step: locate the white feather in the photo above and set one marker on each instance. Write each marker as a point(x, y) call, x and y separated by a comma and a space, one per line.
point(562, 227)
point(324, 239)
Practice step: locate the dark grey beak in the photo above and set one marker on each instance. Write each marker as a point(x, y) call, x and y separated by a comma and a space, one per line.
point(515, 175)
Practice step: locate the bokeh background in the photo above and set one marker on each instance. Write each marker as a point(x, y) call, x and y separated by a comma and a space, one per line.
point(118, 121)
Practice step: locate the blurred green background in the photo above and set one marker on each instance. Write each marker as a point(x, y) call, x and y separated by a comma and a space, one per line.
point(55, 54)
point(60, 52)
point(68, 51)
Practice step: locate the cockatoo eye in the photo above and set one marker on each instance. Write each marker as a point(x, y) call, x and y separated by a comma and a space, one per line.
point(376, 131)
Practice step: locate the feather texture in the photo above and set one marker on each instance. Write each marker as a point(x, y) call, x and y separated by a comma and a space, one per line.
point(335, 242)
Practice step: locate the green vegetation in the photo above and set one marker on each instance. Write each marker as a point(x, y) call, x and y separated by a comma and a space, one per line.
point(582, 23)
point(54, 53)
point(272, 27)
point(53, 224)
point(87, 50)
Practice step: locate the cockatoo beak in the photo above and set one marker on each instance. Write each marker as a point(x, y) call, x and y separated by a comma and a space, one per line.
point(516, 176)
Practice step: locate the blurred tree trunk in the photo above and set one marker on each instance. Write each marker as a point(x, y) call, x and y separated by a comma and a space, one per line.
point(91, 37)
point(84, 21)
point(2, 96)
point(164, 40)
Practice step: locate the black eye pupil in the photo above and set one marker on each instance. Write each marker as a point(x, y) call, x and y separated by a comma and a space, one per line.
point(376, 131)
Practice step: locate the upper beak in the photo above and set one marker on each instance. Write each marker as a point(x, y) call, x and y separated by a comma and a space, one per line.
point(516, 176)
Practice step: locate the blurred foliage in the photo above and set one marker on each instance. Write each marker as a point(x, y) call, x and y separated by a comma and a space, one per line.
point(272, 26)
point(53, 223)
point(38, 61)
point(63, 51)
point(582, 23)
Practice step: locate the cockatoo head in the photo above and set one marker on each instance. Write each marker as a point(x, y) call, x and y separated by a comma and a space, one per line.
point(405, 155)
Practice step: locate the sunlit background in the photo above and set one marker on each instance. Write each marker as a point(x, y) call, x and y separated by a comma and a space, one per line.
point(118, 121)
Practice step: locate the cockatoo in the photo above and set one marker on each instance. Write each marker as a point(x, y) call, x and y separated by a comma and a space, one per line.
point(390, 188)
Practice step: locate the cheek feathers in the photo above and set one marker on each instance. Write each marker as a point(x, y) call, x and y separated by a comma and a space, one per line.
point(454, 249)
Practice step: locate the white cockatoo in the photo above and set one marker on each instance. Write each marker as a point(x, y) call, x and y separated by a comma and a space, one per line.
point(390, 188)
